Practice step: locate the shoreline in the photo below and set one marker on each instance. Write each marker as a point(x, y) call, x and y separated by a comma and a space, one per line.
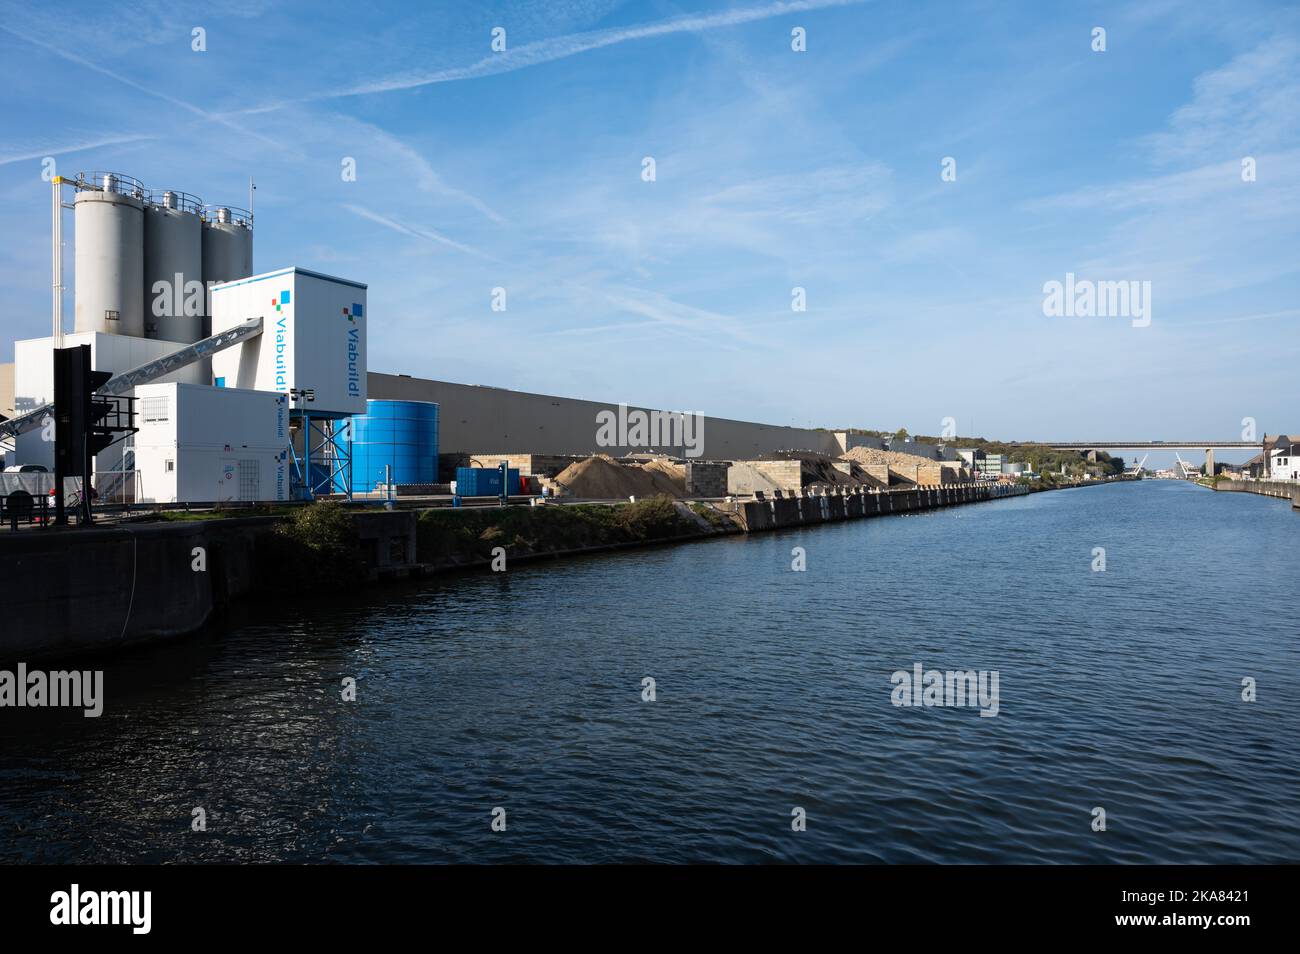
point(105, 589)
point(1282, 489)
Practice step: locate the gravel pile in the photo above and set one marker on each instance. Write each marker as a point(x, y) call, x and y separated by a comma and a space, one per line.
point(604, 478)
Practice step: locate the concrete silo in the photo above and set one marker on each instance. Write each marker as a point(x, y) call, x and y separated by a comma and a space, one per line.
point(173, 289)
point(109, 219)
point(227, 243)
point(227, 248)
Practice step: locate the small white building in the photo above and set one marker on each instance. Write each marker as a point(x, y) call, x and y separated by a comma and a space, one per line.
point(1284, 462)
point(199, 444)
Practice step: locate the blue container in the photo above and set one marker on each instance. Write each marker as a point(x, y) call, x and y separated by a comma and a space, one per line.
point(484, 481)
point(402, 435)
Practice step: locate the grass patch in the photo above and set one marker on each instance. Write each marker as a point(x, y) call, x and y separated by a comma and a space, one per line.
point(191, 516)
point(715, 519)
point(465, 535)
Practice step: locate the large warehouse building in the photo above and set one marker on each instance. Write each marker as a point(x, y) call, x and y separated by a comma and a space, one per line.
point(482, 420)
point(477, 419)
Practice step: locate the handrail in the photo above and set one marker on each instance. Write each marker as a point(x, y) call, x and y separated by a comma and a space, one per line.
point(174, 199)
point(227, 215)
point(116, 182)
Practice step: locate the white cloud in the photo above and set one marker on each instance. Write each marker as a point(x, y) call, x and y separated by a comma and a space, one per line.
point(1249, 105)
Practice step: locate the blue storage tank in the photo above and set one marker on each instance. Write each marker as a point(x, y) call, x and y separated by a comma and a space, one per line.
point(402, 435)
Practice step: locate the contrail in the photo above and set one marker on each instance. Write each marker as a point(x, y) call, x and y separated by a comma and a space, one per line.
point(557, 48)
point(427, 234)
point(182, 104)
point(75, 147)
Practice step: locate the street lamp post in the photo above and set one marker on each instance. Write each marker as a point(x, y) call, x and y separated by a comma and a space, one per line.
point(305, 396)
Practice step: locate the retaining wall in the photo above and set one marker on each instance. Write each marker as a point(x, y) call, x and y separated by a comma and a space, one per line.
point(759, 515)
point(74, 590)
point(706, 478)
point(1286, 489)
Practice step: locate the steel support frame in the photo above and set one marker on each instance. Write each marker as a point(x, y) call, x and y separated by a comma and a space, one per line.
point(327, 441)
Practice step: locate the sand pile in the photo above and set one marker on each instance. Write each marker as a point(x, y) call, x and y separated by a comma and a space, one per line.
point(675, 473)
point(869, 455)
point(603, 478)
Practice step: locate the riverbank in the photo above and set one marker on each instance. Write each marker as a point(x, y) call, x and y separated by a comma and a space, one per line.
point(525, 690)
point(1285, 489)
point(91, 590)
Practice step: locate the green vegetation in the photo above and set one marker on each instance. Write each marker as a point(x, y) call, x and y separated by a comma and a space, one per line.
point(315, 550)
point(1044, 459)
point(190, 516)
point(465, 535)
point(715, 519)
point(1040, 456)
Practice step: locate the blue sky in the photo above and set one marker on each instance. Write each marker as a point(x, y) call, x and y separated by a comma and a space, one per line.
point(775, 169)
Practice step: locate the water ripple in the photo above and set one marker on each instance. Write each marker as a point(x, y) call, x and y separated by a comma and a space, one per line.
point(1118, 690)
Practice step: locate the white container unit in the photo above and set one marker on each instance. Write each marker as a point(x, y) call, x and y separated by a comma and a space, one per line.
point(313, 338)
point(205, 444)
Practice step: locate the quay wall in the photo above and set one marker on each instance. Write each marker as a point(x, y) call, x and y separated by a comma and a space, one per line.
point(1285, 489)
point(76, 591)
point(781, 512)
point(70, 591)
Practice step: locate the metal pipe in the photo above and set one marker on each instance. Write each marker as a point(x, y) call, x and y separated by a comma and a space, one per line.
point(57, 259)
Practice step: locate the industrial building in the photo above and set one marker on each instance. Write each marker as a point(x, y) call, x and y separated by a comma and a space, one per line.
point(243, 382)
point(490, 421)
point(255, 387)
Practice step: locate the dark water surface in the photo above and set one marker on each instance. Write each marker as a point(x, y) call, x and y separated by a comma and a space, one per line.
point(1119, 689)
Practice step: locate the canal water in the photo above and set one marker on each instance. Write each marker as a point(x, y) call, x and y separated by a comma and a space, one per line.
point(1119, 689)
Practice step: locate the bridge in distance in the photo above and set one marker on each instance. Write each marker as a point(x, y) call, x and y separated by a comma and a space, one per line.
point(1207, 446)
point(1147, 445)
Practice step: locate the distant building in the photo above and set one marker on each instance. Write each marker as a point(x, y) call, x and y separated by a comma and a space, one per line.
point(1262, 466)
point(981, 463)
point(1284, 461)
point(7, 391)
point(6, 406)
